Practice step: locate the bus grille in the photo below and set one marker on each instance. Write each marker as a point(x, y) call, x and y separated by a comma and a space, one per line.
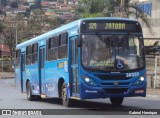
point(112, 77)
point(119, 84)
point(116, 91)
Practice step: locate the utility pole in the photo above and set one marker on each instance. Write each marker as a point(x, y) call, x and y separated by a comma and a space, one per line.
point(2, 60)
point(16, 35)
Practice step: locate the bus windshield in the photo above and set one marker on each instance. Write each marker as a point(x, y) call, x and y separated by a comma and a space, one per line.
point(112, 52)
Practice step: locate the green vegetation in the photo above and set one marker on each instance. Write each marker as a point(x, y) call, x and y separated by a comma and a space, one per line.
point(111, 8)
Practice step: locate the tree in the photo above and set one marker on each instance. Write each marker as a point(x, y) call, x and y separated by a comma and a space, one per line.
point(8, 30)
point(4, 2)
point(0, 53)
point(33, 7)
point(53, 23)
point(27, 13)
point(38, 4)
point(14, 4)
point(1, 28)
point(39, 23)
point(20, 29)
point(26, 4)
point(113, 8)
point(90, 8)
point(127, 9)
point(36, 22)
point(8, 33)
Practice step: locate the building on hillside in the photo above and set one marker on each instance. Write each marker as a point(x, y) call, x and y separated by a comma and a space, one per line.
point(4, 51)
point(59, 9)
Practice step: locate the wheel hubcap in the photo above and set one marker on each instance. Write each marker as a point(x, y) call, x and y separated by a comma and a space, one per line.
point(64, 94)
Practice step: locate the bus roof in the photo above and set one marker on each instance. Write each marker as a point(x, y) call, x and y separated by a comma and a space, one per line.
point(64, 28)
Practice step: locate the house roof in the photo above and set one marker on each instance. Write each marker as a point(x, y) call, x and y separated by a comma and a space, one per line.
point(4, 48)
point(44, 3)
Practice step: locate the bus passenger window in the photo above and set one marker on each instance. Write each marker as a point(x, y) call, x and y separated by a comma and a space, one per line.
point(62, 52)
point(62, 49)
point(29, 55)
point(52, 49)
point(63, 39)
point(18, 52)
point(35, 53)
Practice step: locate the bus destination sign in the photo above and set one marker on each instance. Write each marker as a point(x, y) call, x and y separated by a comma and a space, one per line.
point(110, 26)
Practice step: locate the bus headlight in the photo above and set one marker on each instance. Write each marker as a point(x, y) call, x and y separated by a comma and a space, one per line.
point(139, 81)
point(89, 81)
point(142, 79)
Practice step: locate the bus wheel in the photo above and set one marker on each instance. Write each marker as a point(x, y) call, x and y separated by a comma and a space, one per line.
point(65, 99)
point(30, 97)
point(116, 100)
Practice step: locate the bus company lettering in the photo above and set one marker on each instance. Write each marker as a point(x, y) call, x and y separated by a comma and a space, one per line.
point(88, 91)
point(115, 26)
point(50, 87)
point(101, 63)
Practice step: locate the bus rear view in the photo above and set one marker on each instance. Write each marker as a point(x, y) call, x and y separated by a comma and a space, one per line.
point(112, 60)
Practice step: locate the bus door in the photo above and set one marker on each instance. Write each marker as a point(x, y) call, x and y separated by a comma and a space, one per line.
point(41, 69)
point(22, 71)
point(74, 67)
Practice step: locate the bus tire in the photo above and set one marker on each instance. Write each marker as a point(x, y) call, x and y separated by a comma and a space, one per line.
point(116, 100)
point(30, 97)
point(65, 99)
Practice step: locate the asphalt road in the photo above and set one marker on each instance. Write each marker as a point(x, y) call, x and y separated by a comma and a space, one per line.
point(11, 98)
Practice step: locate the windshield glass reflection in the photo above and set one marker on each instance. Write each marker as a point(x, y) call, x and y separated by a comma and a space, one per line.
point(112, 52)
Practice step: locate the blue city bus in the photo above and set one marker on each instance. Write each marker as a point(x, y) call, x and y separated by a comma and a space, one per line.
point(85, 59)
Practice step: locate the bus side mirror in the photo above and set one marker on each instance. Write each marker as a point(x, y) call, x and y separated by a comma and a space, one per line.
point(79, 42)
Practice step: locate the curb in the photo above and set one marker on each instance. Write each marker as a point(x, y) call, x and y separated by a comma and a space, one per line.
point(7, 77)
point(152, 96)
point(10, 81)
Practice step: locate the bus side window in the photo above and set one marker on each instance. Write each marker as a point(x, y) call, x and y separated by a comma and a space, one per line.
point(63, 39)
point(52, 49)
point(28, 55)
point(34, 53)
point(18, 58)
point(62, 49)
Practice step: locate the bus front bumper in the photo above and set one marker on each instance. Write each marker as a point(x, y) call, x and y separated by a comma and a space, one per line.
point(91, 92)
